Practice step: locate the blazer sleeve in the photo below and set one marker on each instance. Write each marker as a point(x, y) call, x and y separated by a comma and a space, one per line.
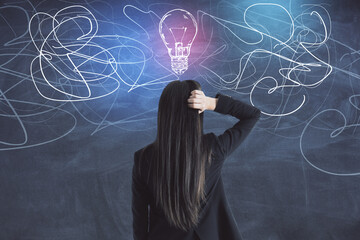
point(139, 203)
point(247, 114)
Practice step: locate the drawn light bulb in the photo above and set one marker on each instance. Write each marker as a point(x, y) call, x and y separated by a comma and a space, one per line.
point(178, 29)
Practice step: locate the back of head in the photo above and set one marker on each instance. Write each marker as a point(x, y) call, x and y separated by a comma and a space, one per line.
point(173, 109)
point(181, 156)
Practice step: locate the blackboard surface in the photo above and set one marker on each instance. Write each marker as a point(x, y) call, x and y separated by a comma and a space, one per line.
point(79, 87)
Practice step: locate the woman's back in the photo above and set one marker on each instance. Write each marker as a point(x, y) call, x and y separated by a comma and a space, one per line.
point(215, 217)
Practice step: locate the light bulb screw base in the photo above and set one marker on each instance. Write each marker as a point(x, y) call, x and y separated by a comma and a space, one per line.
point(179, 64)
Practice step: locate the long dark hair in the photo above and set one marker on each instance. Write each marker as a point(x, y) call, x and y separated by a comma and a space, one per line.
point(181, 156)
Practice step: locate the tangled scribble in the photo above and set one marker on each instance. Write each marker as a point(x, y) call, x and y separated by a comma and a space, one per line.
point(283, 61)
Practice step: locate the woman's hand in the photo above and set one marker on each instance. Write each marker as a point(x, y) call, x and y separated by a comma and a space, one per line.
point(198, 100)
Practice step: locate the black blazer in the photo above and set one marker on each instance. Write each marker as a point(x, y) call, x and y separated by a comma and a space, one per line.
point(216, 219)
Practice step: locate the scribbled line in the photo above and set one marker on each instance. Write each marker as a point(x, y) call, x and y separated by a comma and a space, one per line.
point(297, 51)
point(334, 133)
point(74, 64)
point(71, 64)
point(19, 118)
point(18, 115)
point(288, 73)
point(68, 53)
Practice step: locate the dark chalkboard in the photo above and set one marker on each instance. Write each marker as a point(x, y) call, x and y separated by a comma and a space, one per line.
point(79, 87)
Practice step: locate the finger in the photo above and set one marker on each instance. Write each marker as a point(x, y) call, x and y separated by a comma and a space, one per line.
point(197, 96)
point(197, 100)
point(196, 92)
point(195, 106)
point(194, 100)
point(193, 96)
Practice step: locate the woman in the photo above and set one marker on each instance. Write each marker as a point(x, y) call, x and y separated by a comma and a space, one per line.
point(177, 189)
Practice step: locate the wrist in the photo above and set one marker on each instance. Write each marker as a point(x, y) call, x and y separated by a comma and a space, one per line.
point(211, 103)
